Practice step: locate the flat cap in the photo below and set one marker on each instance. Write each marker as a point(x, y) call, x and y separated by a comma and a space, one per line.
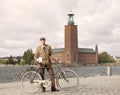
point(42, 38)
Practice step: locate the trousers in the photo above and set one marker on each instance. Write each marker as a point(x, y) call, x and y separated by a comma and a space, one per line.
point(50, 72)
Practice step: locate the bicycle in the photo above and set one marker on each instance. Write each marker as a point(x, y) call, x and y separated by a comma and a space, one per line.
point(65, 79)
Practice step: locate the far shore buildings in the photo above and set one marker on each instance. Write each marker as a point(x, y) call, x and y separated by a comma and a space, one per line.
point(71, 53)
point(117, 59)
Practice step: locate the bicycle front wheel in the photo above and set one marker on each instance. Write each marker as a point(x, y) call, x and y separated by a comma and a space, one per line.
point(67, 80)
point(28, 83)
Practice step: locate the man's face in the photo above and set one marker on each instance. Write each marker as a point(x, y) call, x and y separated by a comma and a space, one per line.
point(42, 42)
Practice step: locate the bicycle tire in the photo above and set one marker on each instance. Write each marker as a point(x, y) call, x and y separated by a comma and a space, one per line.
point(67, 80)
point(27, 85)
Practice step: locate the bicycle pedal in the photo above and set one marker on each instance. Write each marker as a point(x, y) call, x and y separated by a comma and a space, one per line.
point(46, 83)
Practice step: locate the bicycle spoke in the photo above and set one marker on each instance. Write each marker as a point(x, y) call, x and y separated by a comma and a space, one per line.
point(67, 79)
point(28, 83)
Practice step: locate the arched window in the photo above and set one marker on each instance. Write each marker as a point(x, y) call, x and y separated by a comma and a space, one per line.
point(75, 58)
point(68, 54)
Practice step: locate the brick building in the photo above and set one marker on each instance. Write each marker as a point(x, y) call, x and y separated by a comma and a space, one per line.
point(71, 53)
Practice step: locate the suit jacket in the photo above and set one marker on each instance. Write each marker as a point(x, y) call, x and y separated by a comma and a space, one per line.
point(44, 54)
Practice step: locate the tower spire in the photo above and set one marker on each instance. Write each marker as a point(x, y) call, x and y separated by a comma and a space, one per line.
point(70, 18)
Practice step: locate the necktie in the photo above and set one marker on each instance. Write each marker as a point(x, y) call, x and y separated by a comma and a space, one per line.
point(44, 49)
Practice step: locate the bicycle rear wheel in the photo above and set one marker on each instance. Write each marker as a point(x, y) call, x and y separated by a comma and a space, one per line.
point(28, 83)
point(67, 80)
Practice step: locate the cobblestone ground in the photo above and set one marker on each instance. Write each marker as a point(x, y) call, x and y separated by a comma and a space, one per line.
point(98, 85)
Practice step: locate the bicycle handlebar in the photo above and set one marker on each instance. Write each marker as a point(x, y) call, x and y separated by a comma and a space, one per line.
point(57, 61)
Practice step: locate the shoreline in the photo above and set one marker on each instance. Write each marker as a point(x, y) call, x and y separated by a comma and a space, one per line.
point(71, 65)
point(16, 81)
point(97, 76)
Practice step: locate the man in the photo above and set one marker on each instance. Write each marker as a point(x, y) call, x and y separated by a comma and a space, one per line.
point(44, 52)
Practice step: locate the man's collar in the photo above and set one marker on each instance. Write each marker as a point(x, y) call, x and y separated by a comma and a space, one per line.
point(44, 45)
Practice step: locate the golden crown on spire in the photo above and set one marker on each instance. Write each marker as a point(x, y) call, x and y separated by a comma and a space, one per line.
point(70, 12)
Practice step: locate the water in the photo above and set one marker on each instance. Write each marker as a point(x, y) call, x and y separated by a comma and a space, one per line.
point(13, 73)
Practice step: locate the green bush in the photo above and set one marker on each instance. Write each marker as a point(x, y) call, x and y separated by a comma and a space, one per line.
point(104, 57)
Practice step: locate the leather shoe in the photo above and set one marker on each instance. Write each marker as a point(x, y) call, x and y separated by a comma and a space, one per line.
point(43, 89)
point(53, 90)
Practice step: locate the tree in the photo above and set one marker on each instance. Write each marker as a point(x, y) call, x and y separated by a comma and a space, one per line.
point(28, 56)
point(104, 57)
point(18, 60)
point(11, 60)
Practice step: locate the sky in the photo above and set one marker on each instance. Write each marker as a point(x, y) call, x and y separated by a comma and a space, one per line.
point(23, 22)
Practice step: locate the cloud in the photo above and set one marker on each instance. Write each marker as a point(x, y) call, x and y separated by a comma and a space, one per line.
point(101, 26)
point(23, 22)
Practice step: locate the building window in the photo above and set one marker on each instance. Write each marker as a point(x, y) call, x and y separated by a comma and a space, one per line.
point(68, 56)
point(74, 55)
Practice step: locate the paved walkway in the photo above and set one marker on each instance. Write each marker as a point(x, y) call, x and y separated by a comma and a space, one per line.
point(98, 85)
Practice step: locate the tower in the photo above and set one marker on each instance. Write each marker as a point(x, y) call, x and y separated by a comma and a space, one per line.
point(71, 40)
point(96, 50)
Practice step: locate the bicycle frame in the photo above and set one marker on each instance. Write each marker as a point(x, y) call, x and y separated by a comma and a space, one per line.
point(59, 71)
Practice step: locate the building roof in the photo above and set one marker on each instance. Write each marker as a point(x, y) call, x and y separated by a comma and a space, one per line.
point(82, 50)
point(58, 50)
point(86, 50)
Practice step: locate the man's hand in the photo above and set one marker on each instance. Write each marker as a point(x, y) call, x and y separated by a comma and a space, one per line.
point(57, 60)
point(36, 61)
